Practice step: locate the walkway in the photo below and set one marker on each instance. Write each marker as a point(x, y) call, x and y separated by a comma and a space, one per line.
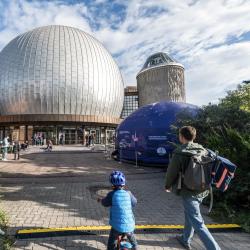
point(60, 189)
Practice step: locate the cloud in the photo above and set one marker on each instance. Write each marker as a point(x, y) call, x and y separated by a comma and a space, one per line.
point(21, 16)
point(202, 35)
point(207, 37)
point(217, 70)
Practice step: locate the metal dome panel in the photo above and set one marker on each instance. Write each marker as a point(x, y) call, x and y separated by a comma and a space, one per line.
point(59, 70)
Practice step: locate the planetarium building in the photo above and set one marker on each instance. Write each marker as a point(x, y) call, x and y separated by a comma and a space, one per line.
point(59, 82)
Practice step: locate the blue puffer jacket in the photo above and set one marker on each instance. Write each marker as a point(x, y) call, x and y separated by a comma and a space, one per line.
point(121, 214)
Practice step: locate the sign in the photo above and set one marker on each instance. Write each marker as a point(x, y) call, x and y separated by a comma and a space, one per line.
point(161, 151)
point(134, 138)
point(124, 132)
point(123, 143)
point(157, 138)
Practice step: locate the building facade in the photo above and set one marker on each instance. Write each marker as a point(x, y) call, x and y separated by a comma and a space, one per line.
point(130, 101)
point(59, 83)
point(161, 79)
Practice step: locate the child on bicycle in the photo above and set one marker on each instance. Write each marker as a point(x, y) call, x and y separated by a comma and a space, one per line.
point(120, 202)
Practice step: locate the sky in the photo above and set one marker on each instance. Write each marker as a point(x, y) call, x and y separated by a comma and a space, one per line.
point(211, 38)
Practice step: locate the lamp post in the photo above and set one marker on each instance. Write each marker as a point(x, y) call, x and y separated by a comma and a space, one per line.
point(121, 145)
point(135, 139)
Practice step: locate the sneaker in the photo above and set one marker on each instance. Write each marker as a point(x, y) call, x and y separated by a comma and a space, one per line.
point(185, 245)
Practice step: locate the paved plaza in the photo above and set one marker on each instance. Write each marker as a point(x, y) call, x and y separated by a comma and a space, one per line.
point(60, 189)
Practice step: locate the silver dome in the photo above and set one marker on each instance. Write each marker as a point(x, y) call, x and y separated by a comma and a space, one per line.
point(59, 70)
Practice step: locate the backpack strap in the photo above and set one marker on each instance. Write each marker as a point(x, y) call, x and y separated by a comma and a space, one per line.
point(182, 171)
point(181, 174)
point(211, 199)
point(203, 181)
point(179, 181)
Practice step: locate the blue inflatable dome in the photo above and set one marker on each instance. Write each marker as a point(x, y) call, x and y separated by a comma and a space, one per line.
point(147, 134)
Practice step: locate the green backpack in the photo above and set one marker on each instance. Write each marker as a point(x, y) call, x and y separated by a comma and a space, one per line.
point(197, 175)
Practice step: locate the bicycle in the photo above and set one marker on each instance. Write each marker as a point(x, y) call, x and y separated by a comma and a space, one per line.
point(123, 243)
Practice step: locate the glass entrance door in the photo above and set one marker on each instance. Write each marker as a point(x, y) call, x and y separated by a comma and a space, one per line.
point(110, 135)
point(42, 134)
point(70, 135)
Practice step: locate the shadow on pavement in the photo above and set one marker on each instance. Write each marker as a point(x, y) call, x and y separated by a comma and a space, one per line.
point(66, 163)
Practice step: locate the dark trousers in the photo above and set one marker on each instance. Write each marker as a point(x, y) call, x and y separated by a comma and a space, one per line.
point(17, 155)
point(113, 235)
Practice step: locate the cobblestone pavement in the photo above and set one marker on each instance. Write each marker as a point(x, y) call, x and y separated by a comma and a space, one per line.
point(146, 242)
point(60, 189)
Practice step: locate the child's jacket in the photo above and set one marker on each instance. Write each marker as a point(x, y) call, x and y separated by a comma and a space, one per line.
point(121, 214)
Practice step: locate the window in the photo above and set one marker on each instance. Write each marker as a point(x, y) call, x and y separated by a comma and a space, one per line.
point(130, 105)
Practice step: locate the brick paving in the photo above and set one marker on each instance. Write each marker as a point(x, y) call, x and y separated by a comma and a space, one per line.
point(60, 189)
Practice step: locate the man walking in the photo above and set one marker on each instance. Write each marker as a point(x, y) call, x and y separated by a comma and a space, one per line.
point(191, 199)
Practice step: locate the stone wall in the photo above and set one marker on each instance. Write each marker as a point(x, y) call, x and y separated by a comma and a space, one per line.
point(162, 83)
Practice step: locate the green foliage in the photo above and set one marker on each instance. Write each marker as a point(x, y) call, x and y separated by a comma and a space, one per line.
point(225, 127)
point(224, 213)
point(239, 98)
point(5, 241)
point(3, 220)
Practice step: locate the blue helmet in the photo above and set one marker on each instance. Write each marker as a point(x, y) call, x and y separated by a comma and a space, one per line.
point(117, 178)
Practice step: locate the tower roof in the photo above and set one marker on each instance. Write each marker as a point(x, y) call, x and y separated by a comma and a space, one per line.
point(158, 59)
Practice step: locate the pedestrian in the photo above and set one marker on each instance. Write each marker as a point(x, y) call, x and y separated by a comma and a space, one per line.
point(33, 140)
point(191, 199)
point(26, 144)
point(86, 140)
point(90, 140)
point(61, 140)
point(93, 139)
point(16, 150)
point(5, 148)
point(120, 202)
point(42, 139)
point(36, 139)
point(49, 146)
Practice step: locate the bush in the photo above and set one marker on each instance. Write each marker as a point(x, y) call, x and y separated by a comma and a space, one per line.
point(5, 241)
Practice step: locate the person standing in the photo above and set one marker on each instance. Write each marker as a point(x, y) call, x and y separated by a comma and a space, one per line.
point(90, 140)
point(86, 140)
point(16, 150)
point(191, 199)
point(5, 148)
point(49, 146)
point(61, 140)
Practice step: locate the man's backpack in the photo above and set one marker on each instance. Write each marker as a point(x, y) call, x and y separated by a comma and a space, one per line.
point(206, 171)
point(197, 176)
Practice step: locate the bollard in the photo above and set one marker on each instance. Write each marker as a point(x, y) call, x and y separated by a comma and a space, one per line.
point(108, 153)
point(136, 159)
point(120, 160)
